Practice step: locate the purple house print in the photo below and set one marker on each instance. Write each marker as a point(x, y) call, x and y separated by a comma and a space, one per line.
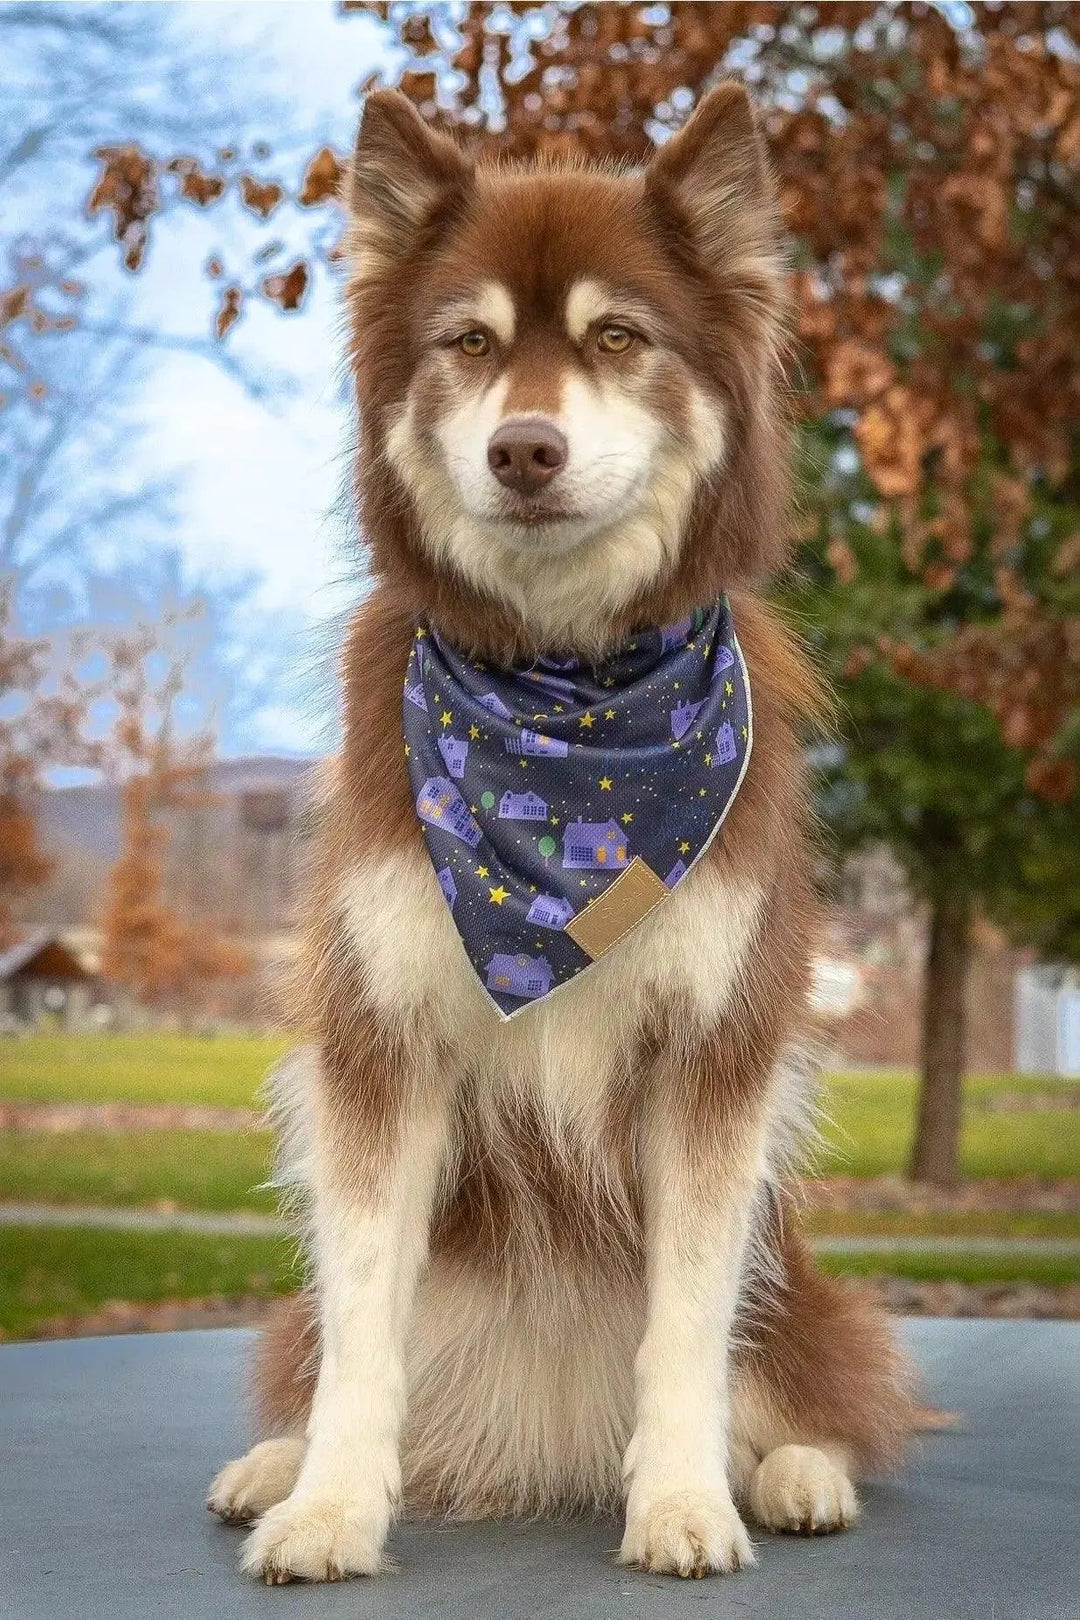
point(677, 871)
point(495, 704)
point(725, 745)
point(522, 807)
point(683, 716)
point(725, 658)
point(549, 911)
point(440, 804)
point(523, 976)
point(455, 751)
point(594, 845)
point(415, 696)
point(447, 885)
point(675, 635)
point(534, 742)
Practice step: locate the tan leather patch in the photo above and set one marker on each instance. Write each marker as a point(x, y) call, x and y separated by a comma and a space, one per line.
point(609, 917)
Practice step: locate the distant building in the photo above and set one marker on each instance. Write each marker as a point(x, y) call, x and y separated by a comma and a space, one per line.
point(522, 807)
point(455, 751)
point(594, 844)
point(549, 911)
point(523, 976)
point(415, 696)
point(447, 885)
point(534, 742)
point(677, 871)
point(495, 704)
point(725, 745)
point(683, 716)
point(440, 804)
point(42, 979)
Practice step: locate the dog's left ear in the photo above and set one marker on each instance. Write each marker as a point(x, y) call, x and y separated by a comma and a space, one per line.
point(717, 171)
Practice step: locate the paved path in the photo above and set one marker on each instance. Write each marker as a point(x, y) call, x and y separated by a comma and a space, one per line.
point(233, 1224)
point(226, 1224)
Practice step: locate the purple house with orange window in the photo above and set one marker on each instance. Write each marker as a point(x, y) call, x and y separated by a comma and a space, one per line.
point(594, 845)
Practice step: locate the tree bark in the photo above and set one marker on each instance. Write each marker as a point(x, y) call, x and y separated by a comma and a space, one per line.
point(935, 1154)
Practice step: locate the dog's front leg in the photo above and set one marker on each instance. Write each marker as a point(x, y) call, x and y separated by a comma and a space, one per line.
point(374, 1189)
point(697, 1190)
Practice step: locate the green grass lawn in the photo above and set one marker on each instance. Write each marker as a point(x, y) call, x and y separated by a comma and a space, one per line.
point(866, 1127)
point(224, 1070)
point(191, 1169)
point(1049, 1270)
point(868, 1117)
point(47, 1272)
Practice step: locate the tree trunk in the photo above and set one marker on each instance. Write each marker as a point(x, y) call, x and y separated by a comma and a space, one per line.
point(935, 1155)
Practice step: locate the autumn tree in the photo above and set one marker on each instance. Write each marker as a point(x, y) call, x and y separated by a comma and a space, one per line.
point(163, 959)
point(928, 169)
point(41, 720)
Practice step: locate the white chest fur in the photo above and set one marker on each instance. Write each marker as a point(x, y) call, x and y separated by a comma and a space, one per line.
point(567, 1050)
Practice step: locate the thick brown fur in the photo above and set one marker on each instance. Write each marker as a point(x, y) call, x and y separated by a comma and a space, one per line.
point(535, 1273)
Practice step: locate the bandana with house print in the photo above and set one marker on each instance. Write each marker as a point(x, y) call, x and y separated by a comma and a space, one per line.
point(561, 803)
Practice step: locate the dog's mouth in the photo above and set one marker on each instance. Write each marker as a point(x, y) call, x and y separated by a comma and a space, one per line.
point(534, 512)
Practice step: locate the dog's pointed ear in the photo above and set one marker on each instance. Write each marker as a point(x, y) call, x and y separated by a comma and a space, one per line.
point(717, 172)
point(402, 172)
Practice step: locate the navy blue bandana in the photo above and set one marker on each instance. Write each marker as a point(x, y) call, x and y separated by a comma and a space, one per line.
point(561, 803)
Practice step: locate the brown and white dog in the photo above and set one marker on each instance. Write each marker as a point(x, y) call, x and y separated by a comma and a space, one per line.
point(555, 1259)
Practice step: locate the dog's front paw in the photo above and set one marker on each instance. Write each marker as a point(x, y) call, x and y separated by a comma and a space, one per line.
point(800, 1489)
point(244, 1489)
point(688, 1533)
point(317, 1538)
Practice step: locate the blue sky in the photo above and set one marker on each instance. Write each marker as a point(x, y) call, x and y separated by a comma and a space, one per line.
point(261, 480)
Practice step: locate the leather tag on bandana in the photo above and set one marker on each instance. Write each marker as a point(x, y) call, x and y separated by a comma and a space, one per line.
point(620, 908)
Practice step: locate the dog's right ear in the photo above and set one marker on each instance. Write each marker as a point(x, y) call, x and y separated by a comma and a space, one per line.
point(402, 174)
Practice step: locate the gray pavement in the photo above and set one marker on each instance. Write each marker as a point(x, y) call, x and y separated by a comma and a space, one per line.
point(107, 1446)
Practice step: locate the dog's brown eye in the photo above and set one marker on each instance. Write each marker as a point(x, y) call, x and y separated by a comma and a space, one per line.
point(473, 344)
point(614, 339)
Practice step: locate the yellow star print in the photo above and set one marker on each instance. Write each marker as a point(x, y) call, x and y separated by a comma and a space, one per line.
point(408, 750)
point(447, 717)
point(684, 848)
point(481, 871)
point(708, 759)
point(499, 895)
point(728, 688)
point(605, 783)
point(474, 732)
point(587, 720)
point(609, 714)
point(626, 818)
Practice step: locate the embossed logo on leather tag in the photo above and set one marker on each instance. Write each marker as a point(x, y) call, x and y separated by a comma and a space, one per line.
point(621, 907)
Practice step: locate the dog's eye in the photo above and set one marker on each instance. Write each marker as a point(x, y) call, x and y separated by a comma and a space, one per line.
point(473, 344)
point(614, 339)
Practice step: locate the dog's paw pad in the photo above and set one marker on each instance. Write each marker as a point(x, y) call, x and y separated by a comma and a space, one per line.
point(801, 1490)
point(689, 1533)
point(246, 1488)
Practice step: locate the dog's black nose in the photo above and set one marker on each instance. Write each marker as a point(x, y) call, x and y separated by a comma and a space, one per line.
point(525, 455)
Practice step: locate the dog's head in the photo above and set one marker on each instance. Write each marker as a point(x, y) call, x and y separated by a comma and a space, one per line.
point(567, 376)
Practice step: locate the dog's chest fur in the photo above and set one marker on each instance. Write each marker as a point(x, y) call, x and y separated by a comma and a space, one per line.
point(562, 1055)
